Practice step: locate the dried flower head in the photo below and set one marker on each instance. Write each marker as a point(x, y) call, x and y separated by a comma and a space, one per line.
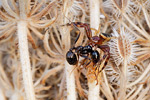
point(76, 8)
point(119, 6)
point(122, 48)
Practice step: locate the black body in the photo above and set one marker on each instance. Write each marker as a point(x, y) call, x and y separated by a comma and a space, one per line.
point(73, 54)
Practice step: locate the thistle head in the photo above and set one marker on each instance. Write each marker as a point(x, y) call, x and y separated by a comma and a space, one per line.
point(122, 47)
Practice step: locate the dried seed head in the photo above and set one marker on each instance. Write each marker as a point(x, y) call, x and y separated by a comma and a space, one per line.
point(119, 6)
point(122, 48)
point(76, 8)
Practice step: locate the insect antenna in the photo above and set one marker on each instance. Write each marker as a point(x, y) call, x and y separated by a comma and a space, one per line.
point(72, 23)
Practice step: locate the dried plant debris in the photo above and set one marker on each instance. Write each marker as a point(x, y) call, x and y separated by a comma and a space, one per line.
point(46, 27)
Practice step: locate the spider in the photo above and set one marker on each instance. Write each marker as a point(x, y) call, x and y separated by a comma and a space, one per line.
point(73, 54)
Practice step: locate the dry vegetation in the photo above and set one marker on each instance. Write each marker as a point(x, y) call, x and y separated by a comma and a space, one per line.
point(34, 41)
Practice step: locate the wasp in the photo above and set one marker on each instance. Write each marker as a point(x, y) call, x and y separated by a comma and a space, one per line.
point(87, 52)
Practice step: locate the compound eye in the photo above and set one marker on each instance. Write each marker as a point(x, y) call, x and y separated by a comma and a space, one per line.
point(95, 56)
point(71, 58)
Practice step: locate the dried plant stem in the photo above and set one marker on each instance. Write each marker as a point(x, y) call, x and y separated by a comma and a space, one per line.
point(50, 72)
point(3, 75)
point(146, 16)
point(143, 94)
point(123, 81)
point(131, 92)
point(140, 78)
point(127, 27)
point(2, 97)
point(70, 78)
point(8, 9)
point(94, 22)
point(136, 93)
point(61, 88)
point(106, 87)
point(24, 58)
point(136, 27)
point(94, 14)
point(93, 91)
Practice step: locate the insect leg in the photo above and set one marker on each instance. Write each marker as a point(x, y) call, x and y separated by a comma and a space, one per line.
point(87, 59)
point(84, 25)
point(106, 50)
point(77, 37)
point(96, 31)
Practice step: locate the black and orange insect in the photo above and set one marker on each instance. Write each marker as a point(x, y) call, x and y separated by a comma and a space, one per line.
point(87, 51)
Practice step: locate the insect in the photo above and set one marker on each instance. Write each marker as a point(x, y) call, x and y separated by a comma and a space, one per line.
point(73, 56)
point(86, 51)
